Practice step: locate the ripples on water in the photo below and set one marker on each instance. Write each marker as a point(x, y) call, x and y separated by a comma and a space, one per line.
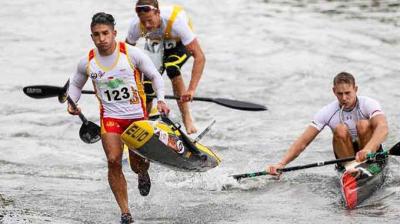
point(279, 53)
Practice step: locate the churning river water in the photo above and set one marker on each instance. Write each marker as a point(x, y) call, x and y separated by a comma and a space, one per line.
point(282, 54)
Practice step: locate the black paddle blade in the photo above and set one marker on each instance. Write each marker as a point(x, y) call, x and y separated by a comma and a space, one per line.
point(395, 150)
point(42, 91)
point(89, 132)
point(62, 96)
point(239, 105)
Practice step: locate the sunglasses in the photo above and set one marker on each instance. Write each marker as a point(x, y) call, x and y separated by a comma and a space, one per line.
point(144, 8)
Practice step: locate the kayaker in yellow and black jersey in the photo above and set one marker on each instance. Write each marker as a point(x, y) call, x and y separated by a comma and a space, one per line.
point(170, 27)
point(358, 125)
point(115, 70)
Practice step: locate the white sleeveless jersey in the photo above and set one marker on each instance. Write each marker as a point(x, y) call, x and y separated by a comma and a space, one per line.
point(119, 88)
point(175, 26)
point(117, 81)
point(331, 115)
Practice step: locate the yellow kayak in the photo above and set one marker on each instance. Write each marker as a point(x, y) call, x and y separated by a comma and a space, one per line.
point(162, 142)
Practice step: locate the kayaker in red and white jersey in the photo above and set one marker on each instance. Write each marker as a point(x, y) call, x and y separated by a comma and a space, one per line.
point(358, 125)
point(168, 29)
point(115, 70)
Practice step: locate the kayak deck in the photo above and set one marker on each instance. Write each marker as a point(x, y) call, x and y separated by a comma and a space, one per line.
point(160, 142)
point(359, 181)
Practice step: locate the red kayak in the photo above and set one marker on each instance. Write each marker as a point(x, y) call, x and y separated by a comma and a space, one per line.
point(360, 180)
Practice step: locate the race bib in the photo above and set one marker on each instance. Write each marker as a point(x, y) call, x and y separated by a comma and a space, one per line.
point(169, 44)
point(118, 90)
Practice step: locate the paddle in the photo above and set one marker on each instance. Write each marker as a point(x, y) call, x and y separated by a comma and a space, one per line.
point(394, 151)
point(234, 104)
point(62, 96)
point(45, 91)
point(89, 131)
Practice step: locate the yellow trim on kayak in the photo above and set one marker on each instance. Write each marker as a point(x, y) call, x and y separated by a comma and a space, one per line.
point(137, 134)
point(208, 151)
point(140, 132)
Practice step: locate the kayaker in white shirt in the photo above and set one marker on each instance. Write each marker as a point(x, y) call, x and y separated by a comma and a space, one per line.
point(170, 27)
point(358, 125)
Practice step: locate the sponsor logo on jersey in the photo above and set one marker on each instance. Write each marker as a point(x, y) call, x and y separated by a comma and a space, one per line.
point(111, 124)
point(96, 75)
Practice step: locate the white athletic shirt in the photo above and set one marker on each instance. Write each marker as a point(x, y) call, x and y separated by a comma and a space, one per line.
point(180, 29)
point(331, 114)
point(117, 80)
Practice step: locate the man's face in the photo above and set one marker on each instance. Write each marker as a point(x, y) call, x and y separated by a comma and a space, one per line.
point(103, 37)
point(346, 94)
point(150, 20)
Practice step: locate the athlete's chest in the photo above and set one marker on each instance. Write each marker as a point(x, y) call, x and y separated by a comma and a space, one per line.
point(349, 118)
point(103, 72)
point(116, 83)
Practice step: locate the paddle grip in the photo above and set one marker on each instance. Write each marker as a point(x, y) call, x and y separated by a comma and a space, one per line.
point(73, 105)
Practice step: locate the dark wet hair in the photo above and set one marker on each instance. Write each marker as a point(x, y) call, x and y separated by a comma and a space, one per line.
point(102, 18)
point(344, 77)
point(148, 2)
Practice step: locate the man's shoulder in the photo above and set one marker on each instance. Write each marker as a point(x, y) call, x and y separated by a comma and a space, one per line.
point(134, 21)
point(367, 101)
point(166, 12)
point(365, 98)
point(88, 54)
point(333, 105)
point(134, 25)
point(134, 52)
point(84, 58)
point(328, 109)
point(131, 48)
point(83, 63)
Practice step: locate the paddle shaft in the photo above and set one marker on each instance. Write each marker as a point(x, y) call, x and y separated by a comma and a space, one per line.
point(73, 105)
point(88, 92)
point(293, 168)
point(234, 104)
point(394, 151)
point(317, 164)
point(45, 91)
point(205, 99)
point(170, 97)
